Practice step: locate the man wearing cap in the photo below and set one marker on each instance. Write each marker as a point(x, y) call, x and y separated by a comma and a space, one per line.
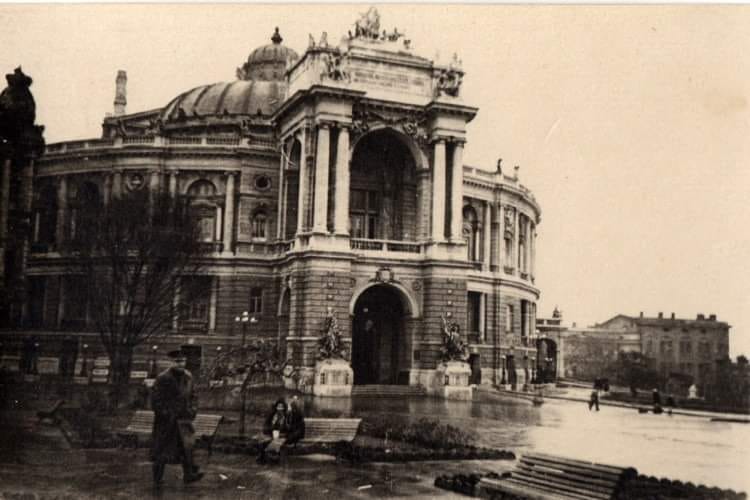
point(173, 434)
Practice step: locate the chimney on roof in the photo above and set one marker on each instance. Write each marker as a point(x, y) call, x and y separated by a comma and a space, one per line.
point(672, 315)
point(712, 317)
point(661, 315)
point(121, 100)
point(641, 314)
point(701, 317)
point(574, 324)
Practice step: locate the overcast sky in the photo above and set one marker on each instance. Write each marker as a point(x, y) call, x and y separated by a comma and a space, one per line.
point(630, 124)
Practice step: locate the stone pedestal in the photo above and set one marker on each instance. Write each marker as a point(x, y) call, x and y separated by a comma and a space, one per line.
point(333, 377)
point(452, 381)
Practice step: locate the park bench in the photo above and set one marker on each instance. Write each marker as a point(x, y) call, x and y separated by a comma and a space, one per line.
point(142, 424)
point(540, 476)
point(330, 430)
point(50, 414)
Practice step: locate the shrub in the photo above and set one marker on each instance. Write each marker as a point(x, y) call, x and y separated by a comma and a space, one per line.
point(424, 432)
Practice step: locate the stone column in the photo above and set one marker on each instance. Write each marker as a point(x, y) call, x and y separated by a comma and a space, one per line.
point(153, 184)
point(438, 191)
point(229, 212)
point(457, 191)
point(516, 231)
point(219, 221)
point(4, 203)
point(117, 183)
point(341, 213)
point(62, 209)
point(212, 304)
point(322, 158)
point(303, 178)
point(487, 235)
point(529, 237)
point(500, 237)
point(533, 250)
point(107, 184)
point(173, 183)
point(482, 317)
point(281, 207)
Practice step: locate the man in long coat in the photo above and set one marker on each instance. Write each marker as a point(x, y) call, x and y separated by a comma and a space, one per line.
point(173, 434)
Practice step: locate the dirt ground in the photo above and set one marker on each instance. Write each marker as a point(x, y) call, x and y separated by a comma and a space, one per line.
point(120, 474)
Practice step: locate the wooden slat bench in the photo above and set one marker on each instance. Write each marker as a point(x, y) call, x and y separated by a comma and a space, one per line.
point(50, 414)
point(142, 424)
point(541, 476)
point(330, 430)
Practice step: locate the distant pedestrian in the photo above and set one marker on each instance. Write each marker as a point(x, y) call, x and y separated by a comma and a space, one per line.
point(656, 397)
point(174, 408)
point(594, 400)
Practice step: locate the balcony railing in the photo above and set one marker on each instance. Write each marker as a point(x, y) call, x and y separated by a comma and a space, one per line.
point(162, 141)
point(385, 245)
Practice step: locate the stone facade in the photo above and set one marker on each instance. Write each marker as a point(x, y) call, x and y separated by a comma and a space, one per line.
point(337, 184)
point(677, 345)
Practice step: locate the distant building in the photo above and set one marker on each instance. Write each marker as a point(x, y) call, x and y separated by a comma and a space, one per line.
point(550, 338)
point(587, 352)
point(678, 346)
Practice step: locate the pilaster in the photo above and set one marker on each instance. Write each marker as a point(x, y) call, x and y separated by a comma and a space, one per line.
point(438, 191)
point(229, 213)
point(322, 159)
point(457, 191)
point(343, 178)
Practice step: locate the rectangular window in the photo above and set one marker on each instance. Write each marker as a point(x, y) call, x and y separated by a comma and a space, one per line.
point(508, 318)
point(196, 296)
point(259, 227)
point(474, 313)
point(686, 348)
point(36, 301)
point(256, 301)
point(364, 213)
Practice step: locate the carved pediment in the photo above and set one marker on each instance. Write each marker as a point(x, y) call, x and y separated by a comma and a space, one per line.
point(410, 123)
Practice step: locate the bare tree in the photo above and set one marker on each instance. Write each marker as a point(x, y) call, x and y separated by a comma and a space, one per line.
point(260, 363)
point(129, 259)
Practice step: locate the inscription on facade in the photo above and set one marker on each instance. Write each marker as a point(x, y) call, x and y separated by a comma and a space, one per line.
point(394, 81)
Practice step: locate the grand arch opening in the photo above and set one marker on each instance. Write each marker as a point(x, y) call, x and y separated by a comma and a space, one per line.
point(378, 337)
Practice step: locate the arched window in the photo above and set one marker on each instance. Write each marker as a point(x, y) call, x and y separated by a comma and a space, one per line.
point(203, 209)
point(259, 225)
point(471, 233)
point(45, 217)
point(84, 209)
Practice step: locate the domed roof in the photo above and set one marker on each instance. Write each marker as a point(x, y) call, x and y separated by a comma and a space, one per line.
point(227, 98)
point(268, 62)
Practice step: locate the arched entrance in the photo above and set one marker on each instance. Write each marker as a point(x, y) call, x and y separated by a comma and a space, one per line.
point(378, 336)
point(546, 360)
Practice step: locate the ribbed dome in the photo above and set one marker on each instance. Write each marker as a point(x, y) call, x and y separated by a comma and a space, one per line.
point(227, 98)
point(267, 62)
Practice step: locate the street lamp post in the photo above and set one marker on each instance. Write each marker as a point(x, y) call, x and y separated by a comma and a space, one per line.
point(84, 369)
point(244, 319)
point(153, 370)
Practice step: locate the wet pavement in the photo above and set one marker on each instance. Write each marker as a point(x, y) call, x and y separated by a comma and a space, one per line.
point(687, 448)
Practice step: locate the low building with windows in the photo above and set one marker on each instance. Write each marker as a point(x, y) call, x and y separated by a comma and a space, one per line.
point(686, 347)
point(331, 180)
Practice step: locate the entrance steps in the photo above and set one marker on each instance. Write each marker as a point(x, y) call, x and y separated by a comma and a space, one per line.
point(388, 391)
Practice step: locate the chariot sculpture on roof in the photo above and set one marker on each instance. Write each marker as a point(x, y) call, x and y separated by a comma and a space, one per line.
point(368, 24)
